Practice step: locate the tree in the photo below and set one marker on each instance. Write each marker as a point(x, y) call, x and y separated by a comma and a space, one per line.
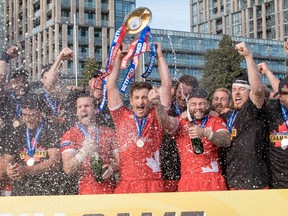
point(221, 66)
point(89, 66)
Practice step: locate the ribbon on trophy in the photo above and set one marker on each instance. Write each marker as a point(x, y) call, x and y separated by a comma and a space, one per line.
point(136, 21)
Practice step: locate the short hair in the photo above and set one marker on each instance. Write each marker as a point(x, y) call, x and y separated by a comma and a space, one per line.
point(188, 80)
point(95, 73)
point(84, 95)
point(138, 86)
point(30, 101)
point(227, 91)
point(18, 72)
point(198, 93)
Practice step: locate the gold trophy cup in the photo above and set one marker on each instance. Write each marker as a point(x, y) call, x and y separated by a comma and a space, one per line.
point(137, 20)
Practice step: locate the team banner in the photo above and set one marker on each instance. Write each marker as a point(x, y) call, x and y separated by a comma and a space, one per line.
point(230, 203)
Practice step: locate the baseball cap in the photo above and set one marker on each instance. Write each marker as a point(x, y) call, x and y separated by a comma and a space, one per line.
point(282, 87)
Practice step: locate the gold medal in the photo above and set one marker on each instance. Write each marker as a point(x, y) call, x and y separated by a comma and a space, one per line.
point(16, 123)
point(234, 133)
point(140, 143)
point(284, 143)
point(30, 161)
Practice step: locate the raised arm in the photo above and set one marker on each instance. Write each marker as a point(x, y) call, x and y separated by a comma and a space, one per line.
point(50, 78)
point(113, 94)
point(274, 81)
point(256, 94)
point(166, 81)
point(10, 53)
point(169, 123)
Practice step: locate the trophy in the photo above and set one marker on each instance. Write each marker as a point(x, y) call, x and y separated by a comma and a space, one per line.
point(137, 20)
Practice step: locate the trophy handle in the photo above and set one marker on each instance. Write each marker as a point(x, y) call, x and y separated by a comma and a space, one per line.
point(137, 20)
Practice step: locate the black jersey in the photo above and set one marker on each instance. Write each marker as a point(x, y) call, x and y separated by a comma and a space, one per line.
point(244, 162)
point(277, 154)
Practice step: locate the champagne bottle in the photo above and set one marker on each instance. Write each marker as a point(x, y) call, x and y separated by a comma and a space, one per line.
point(197, 143)
point(96, 163)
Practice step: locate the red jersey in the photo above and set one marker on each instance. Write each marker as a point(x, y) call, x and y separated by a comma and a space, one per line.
point(72, 140)
point(194, 164)
point(138, 163)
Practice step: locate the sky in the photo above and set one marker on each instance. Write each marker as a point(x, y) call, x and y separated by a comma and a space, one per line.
point(168, 14)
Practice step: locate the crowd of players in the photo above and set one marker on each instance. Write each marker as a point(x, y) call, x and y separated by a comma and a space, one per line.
point(49, 139)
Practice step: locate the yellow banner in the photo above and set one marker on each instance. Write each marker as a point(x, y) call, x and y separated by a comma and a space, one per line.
point(260, 202)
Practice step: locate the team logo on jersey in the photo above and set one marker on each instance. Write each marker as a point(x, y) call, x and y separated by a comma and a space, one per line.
point(39, 153)
point(277, 137)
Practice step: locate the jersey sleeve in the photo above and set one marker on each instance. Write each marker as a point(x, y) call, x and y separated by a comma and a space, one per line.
point(220, 125)
point(67, 141)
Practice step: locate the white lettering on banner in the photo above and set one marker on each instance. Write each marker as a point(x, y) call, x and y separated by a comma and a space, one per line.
point(139, 48)
point(117, 34)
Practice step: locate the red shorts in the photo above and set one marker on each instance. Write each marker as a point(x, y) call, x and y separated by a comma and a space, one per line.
point(107, 187)
point(171, 185)
point(140, 186)
point(202, 182)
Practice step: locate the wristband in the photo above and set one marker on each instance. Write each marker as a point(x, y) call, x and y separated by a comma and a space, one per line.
point(5, 57)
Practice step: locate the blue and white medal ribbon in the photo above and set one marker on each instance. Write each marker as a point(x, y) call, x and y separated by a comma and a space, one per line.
point(203, 122)
point(231, 120)
point(140, 127)
point(31, 146)
point(86, 134)
point(177, 108)
point(52, 104)
point(18, 109)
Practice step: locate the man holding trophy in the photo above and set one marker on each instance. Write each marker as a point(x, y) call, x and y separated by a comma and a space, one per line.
point(139, 133)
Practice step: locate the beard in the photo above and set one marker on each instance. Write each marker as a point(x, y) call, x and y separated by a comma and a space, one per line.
point(199, 114)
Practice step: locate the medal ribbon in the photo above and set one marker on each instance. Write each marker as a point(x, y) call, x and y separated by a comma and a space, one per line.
point(135, 61)
point(140, 125)
point(18, 109)
point(177, 109)
point(203, 122)
point(86, 134)
point(52, 104)
point(231, 120)
point(284, 114)
point(31, 145)
point(115, 46)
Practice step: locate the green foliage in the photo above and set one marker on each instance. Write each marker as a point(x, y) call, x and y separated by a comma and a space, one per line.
point(221, 66)
point(89, 66)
